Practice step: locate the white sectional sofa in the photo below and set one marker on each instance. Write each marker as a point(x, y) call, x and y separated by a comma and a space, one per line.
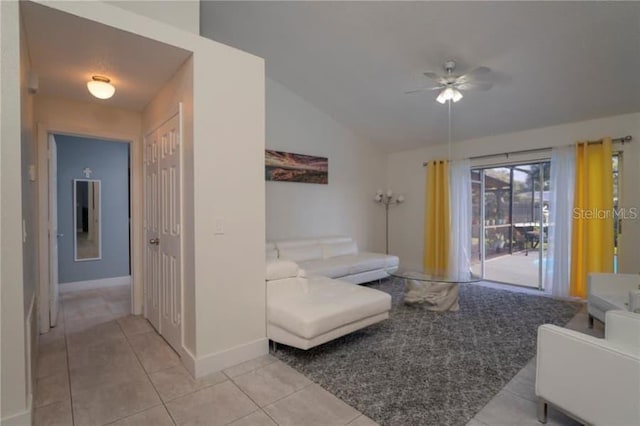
point(333, 257)
point(306, 312)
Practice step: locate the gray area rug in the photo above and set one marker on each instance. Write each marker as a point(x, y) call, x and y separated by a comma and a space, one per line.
point(426, 368)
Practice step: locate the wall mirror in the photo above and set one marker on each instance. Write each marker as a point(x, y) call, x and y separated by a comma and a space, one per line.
point(87, 219)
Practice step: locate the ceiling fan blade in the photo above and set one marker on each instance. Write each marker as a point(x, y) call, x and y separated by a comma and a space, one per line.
point(436, 77)
point(424, 89)
point(473, 74)
point(475, 85)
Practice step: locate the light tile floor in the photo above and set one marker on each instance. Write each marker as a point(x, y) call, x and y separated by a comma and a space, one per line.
point(102, 366)
point(515, 404)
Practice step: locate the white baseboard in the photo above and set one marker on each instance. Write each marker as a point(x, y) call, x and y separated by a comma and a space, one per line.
point(91, 284)
point(208, 364)
point(21, 419)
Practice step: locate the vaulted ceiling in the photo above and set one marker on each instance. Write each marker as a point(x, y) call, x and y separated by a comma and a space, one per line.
point(552, 62)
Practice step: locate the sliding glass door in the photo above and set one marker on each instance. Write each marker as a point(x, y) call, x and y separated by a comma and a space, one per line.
point(510, 222)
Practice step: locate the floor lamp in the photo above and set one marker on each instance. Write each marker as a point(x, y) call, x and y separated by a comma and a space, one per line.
point(387, 199)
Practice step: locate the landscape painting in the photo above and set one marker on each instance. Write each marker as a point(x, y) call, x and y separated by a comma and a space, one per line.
point(289, 167)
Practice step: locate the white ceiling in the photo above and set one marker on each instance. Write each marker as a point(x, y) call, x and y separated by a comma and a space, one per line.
point(554, 62)
point(66, 51)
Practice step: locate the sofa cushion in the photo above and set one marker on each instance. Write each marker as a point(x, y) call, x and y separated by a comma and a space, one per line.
point(319, 305)
point(366, 261)
point(339, 249)
point(334, 240)
point(301, 253)
point(333, 268)
point(296, 243)
point(280, 269)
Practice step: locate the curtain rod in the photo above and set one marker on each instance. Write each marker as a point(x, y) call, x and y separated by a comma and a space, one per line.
point(621, 140)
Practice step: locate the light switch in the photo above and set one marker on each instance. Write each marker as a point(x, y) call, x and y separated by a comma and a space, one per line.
point(218, 226)
point(24, 231)
point(32, 173)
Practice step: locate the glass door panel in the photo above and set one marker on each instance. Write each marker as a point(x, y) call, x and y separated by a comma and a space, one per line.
point(513, 217)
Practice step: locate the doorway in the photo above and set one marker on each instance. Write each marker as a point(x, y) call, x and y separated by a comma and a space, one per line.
point(90, 216)
point(510, 222)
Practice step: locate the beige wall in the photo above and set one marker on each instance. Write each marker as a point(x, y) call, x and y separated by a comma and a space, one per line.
point(229, 135)
point(29, 188)
point(406, 173)
point(88, 117)
point(13, 377)
point(184, 14)
point(31, 232)
point(180, 90)
point(356, 170)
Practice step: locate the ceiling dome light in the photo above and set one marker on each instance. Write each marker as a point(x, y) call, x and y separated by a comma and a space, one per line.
point(449, 93)
point(101, 87)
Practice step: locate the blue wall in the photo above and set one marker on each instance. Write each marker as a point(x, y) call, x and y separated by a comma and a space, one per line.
point(109, 162)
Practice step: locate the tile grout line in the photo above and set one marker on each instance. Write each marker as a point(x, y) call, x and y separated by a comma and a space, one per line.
point(251, 399)
point(253, 412)
point(311, 382)
point(260, 408)
point(66, 349)
point(135, 354)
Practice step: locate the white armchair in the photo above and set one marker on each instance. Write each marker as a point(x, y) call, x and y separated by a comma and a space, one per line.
point(596, 381)
point(611, 291)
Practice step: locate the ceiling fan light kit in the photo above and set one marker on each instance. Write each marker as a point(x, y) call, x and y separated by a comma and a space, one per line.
point(101, 87)
point(449, 94)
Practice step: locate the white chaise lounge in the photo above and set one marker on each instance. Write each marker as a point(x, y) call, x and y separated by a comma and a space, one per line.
point(333, 257)
point(306, 312)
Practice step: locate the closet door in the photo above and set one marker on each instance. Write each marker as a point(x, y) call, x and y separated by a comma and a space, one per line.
point(170, 231)
point(152, 230)
point(163, 216)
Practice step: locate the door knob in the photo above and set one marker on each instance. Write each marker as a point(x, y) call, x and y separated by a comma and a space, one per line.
point(154, 241)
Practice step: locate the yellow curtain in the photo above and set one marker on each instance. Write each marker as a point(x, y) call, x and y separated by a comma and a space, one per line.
point(592, 234)
point(437, 219)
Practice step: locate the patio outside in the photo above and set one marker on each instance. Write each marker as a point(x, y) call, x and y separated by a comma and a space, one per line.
point(518, 268)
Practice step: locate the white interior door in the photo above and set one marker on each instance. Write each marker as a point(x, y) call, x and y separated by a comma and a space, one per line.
point(163, 261)
point(170, 220)
point(53, 232)
point(151, 229)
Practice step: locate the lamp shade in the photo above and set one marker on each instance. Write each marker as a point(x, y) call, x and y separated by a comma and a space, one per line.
point(101, 87)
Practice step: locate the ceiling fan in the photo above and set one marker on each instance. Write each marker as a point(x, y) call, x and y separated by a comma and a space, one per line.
point(450, 85)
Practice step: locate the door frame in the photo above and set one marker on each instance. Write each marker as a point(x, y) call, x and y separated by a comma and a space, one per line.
point(135, 197)
point(510, 164)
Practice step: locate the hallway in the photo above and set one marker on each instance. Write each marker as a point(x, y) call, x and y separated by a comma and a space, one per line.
point(101, 365)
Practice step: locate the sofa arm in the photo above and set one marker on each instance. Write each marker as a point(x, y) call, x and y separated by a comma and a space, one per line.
point(604, 282)
point(280, 269)
point(587, 377)
point(623, 330)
